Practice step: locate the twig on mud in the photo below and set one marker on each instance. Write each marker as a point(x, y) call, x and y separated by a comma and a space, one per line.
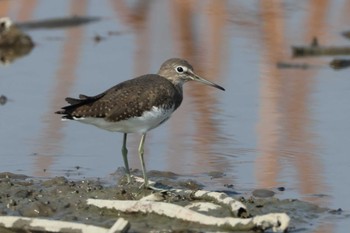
point(276, 221)
point(46, 225)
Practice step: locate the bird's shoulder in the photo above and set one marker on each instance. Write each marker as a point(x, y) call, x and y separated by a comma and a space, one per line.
point(142, 86)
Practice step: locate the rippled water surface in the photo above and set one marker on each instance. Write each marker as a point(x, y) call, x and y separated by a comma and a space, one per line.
point(282, 121)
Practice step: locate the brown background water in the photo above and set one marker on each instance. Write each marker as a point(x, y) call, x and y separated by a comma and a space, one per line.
point(272, 127)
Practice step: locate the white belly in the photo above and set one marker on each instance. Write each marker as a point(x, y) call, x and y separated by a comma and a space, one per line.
point(149, 120)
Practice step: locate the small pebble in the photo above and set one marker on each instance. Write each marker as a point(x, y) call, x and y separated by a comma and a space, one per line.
point(263, 193)
point(3, 100)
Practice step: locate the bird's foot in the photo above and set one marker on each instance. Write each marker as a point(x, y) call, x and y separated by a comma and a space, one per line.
point(148, 184)
point(151, 186)
point(143, 186)
point(128, 178)
point(145, 183)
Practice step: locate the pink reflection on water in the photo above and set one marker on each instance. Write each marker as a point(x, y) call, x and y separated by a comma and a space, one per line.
point(286, 138)
point(65, 77)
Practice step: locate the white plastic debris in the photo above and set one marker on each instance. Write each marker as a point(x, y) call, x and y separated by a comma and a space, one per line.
point(278, 222)
point(46, 225)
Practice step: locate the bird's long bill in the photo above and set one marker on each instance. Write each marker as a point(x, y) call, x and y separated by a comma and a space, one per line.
point(204, 81)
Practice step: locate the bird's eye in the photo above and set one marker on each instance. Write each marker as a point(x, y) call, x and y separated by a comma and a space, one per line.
point(180, 69)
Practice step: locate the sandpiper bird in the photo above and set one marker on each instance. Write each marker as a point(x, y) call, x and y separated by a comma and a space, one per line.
point(136, 105)
point(11, 35)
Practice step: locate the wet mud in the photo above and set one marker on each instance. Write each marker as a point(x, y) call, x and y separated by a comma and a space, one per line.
point(61, 198)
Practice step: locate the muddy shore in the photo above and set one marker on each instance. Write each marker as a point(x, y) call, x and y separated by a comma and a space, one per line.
point(60, 198)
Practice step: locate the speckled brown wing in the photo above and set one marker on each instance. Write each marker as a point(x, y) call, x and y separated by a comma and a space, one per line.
point(127, 99)
point(140, 95)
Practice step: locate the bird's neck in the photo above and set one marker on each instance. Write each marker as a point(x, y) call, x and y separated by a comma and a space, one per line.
point(178, 84)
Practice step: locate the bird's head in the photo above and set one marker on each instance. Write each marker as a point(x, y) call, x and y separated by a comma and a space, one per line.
point(179, 71)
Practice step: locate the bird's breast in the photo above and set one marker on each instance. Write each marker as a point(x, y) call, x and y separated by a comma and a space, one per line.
point(141, 124)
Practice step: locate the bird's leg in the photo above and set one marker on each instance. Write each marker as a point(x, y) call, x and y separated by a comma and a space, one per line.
point(141, 151)
point(125, 158)
point(145, 178)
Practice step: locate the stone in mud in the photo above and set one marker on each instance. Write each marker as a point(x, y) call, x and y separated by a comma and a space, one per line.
point(216, 174)
point(169, 175)
point(190, 184)
point(3, 100)
point(55, 181)
point(37, 209)
point(23, 193)
point(263, 193)
point(4, 175)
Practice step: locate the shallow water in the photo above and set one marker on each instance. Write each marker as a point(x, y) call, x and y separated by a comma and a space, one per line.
point(272, 126)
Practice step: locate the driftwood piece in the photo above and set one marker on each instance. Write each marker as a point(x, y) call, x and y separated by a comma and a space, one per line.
point(275, 221)
point(53, 23)
point(289, 65)
point(306, 51)
point(314, 49)
point(338, 64)
point(45, 225)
